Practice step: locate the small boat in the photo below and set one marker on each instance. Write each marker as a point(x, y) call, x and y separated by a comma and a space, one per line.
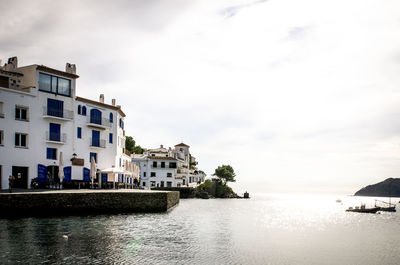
point(363, 209)
point(389, 208)
point(338, 200)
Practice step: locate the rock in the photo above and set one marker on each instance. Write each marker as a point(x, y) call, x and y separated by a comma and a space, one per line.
point(204, 195)
point(387, 188)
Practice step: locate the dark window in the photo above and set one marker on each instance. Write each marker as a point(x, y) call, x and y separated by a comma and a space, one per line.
point(54, 84)
point(121, 123)
point(79, 132)
point(144, 184)
point(162, 184)
point(55, 132)
point(95, 138)
point(83, 110)
point(162, 164)
point(154, 163)
point(110, 138)
point(4, 81)
point(144, 174)
point(172, 164)
point(79, 109)
point(21, 113)
point(1, 139)
point(169, 184)
point(94, 155)
point(111, 117)
point(152, 174)
point(169, 175)
point(95, 116)
point(20, 139)
point(51, 153)
point(55, 107)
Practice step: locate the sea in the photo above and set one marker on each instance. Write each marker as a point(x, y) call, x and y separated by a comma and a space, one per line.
point(265, 229)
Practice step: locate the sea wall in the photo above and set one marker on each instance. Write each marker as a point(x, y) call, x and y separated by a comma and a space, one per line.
point(85, 202)
point(185, 192)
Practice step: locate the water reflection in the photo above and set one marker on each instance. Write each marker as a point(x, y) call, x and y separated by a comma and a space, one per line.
point(263, 230)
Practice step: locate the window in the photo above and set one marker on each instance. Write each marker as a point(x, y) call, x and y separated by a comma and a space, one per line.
point(1, 137)
point(55, 108)
point(154, 163)
point(162, 184)
point(162, 164)
point(83, 110)
point(144, 174)
point(144, 184)
point(21, 140)
point(79, 109)
point(110, 138)
point(79, 133)
point(94, 155)
point(95, 116)
point(121, 123)
point(172, 164)
point(111, 117)
point(95, 138)
point(4, 81)
point(152, 183)
point(120, 162)
point(21, 113)
point(54, 84)
point(169, 184)
point(169, 175)
point(55, 134)
point(51, 153)
point(1, 110)
point(152, 174)
point(181, 149)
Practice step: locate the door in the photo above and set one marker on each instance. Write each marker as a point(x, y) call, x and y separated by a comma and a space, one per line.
point(20, 175)
point(52, 172)
point(55, 132)
point(95, 138)
point(95, 116)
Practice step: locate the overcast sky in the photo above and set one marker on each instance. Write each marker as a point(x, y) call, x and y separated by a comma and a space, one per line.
point(295, 95)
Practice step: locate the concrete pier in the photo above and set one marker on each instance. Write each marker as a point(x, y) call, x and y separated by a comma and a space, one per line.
point(82, 202)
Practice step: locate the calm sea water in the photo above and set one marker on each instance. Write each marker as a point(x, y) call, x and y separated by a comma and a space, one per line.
point(270, 229)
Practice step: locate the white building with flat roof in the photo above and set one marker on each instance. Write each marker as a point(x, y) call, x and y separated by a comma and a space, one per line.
point(43, 123)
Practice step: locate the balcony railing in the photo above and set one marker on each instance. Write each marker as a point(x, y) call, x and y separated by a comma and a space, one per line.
point(56, 137)
point(99, 122)
point(58, 113)
point(97, 143)
point(126, 152)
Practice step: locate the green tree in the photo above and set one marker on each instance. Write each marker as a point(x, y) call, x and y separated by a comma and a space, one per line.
point(225, 173)
point(131, 146)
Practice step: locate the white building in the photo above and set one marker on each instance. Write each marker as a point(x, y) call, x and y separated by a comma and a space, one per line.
point(41, 117)
point(162, 167)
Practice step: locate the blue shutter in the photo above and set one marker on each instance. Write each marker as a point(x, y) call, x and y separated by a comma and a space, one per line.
point(110, 138)
point(86, 174)
point(84, 111)
point(42, 173)
point(104, 177)
point(79, 132)
point(79, 109)
point(55, 132)
point(95, 116)
point(95, 138)
point(55, 107)
point(67, 174)
point(111, 117)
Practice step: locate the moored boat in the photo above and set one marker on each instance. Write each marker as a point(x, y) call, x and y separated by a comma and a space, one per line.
point(363, 209)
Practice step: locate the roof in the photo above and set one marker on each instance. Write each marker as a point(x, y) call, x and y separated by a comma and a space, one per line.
point(158, 150)
point(117, 108)
point(161, 158)
point(51, 70)
point(182, 144)
point(10, 72)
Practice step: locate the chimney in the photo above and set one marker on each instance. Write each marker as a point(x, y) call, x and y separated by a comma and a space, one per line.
point(12, 64)
point(101, 99)
point(161, 146)
point(70, 68)
point(113, 102)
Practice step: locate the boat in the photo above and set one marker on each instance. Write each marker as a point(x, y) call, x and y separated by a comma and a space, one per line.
point(363, 209)
point(338, 200)
point(390, 208)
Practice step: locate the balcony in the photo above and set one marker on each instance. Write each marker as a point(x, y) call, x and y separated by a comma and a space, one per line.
point(101, 123)
point(56, 138)
point(126, 152)
point(100, 143)
point(58, 114)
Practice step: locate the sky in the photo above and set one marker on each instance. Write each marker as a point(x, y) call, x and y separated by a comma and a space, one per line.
point(297, 96)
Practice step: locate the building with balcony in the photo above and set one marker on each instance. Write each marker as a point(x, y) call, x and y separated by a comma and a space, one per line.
point(41, 117)
point(162, 167)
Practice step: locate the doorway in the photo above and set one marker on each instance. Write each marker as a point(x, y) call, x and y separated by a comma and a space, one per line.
point(20, 175)
point(52, 173)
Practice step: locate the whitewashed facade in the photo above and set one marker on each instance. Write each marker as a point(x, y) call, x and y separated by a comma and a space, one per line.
point(162, 167)
point(41, 117)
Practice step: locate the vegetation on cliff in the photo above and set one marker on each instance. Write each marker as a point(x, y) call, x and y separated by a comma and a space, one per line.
point(218, 188)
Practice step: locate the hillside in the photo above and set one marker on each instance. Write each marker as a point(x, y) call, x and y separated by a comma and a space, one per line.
point(387, 188)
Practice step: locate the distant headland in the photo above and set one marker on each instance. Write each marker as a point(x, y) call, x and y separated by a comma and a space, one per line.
point(387, 188)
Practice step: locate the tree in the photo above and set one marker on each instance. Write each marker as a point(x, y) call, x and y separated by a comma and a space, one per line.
point(131, 146)
point(225, 173)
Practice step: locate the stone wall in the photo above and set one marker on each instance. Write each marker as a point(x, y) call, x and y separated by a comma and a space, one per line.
point(184, 192)
point(85, 202)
